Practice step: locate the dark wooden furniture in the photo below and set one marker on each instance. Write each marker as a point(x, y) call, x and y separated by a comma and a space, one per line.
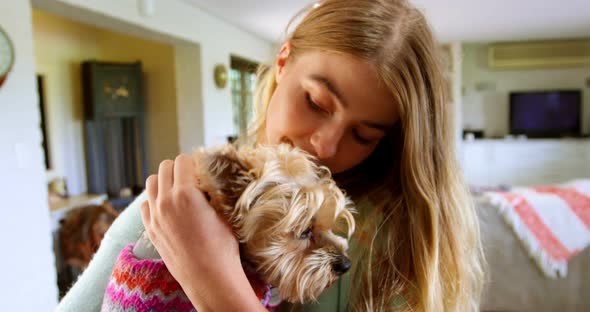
point(114, 129)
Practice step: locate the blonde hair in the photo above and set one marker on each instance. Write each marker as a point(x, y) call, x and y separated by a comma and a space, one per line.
point(420, 240)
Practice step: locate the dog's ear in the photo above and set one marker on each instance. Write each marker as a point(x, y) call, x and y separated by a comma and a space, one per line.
point(222, 177)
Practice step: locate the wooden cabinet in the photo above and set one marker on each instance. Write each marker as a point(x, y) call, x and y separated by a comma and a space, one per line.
point(114, 127)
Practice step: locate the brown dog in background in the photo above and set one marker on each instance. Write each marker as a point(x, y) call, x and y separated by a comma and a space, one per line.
point(80, 234)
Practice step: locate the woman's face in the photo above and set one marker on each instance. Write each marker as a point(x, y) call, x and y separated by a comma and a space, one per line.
point(331, 105)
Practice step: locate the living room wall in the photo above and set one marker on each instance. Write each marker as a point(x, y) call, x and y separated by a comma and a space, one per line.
point(486, 91)
point(179, 20)
point(61, 45)
point(27, 262)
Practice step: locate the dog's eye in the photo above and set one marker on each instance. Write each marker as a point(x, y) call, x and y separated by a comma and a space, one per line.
point(307, 234)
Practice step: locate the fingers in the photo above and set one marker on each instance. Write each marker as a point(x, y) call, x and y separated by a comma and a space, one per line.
point(151, 187)
point(184, 168)
point(145, 214)
point(165, 176)
point(173, 184)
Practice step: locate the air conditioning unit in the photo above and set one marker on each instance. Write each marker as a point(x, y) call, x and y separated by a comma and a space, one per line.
point(539, 54)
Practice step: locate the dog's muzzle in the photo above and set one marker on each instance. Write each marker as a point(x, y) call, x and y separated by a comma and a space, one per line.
point(341, 266)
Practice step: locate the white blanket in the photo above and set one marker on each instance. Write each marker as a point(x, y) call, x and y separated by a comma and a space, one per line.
point(553, 222)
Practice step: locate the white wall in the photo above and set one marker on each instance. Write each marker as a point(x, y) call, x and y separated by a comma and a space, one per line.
point(188, 95)
point(61, 45)
point(486, 91)
point(456, 58)
point(26, 265)
point(216, 38)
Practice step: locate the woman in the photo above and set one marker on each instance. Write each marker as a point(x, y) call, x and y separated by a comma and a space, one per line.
point(358, 84)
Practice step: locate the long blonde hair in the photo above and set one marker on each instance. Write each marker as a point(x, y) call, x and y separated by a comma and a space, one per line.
point(420, 239)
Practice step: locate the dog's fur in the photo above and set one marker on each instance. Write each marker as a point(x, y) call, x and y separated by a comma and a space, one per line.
point(80, 234)
point(292, 221)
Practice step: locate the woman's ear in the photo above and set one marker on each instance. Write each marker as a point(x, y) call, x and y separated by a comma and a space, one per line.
point(281, 60)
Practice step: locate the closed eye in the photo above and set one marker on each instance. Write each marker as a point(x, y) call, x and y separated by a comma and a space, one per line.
point(307, 234)
point(360, 139)
point(313, 106)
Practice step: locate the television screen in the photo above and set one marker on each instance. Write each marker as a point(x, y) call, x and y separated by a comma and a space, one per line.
point(545, 114)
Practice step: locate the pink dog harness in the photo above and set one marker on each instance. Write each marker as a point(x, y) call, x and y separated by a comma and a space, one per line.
point(147, 285)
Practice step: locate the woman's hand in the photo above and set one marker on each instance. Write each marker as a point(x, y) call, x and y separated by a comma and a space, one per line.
point(196, 244)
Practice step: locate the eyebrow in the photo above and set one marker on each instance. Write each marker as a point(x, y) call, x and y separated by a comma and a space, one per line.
point(377, 126)
point(330, 87)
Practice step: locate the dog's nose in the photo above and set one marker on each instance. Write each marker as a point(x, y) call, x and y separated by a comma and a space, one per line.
point(341, 266)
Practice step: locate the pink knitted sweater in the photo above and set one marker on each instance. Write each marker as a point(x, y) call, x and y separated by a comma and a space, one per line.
point(147, 285)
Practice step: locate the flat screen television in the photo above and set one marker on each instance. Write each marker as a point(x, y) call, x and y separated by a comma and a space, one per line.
point(546, 114)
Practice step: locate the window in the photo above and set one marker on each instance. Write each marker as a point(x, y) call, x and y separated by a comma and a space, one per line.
point(243, 83)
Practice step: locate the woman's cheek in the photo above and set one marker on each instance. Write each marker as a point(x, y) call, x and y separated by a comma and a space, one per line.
point(278, 124)
point(351, 155)
point(297, 118)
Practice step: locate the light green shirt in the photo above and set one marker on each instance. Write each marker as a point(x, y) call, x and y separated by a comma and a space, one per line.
point(334, 299)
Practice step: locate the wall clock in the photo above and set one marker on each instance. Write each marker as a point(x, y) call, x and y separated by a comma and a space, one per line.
point(116, 88)
point(6, 55)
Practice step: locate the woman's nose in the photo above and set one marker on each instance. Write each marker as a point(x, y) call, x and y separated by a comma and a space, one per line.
point(325, 141)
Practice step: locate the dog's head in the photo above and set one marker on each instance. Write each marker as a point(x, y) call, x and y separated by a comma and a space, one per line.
point(292, 220)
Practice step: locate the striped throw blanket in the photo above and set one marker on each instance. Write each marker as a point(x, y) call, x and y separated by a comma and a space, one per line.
point(553, 222)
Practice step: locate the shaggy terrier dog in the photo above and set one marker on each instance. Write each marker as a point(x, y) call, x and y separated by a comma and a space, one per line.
point(292, 221)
